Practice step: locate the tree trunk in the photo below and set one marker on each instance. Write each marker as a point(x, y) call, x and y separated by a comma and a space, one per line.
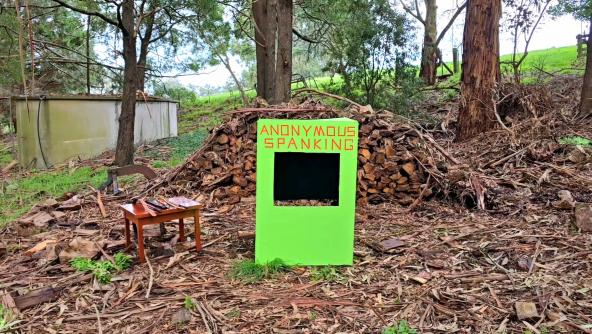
point(143, 57)
point(430, 45)
point(226, 62)
point(124, 152)
point(273, 37)
point(480, 68)
point(283, 66)
point(260, 18)
point(586, 99)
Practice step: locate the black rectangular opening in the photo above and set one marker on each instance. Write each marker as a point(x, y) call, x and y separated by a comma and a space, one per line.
point(306, 179)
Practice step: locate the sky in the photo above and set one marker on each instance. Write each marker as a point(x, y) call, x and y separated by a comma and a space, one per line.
point(556, 32)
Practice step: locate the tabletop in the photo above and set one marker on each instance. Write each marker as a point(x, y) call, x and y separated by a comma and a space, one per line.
point(182, 203)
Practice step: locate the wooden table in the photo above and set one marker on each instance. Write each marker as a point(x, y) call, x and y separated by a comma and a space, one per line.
point(138, 215)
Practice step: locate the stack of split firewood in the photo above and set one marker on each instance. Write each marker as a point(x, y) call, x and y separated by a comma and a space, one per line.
point(392, 158)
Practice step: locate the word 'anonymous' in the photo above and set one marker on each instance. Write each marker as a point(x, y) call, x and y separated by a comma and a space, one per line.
point(309, 137)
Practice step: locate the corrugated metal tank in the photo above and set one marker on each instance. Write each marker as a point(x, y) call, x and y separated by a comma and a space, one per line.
point(83, 126)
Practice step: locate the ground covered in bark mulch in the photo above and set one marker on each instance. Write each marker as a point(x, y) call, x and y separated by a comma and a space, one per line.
point(453, 270)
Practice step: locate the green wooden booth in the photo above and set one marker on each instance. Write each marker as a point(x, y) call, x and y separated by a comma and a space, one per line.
point(306, 191)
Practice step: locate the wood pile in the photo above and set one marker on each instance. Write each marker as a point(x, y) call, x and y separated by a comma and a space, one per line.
point(224, 168)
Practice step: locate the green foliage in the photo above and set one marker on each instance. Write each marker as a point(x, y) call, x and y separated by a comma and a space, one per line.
point(400, 328)
point(248, 271)
point(326, 273)
point(175, 91)
point(102, 270)
point(234, 313)
point(182, 147)
point(5, 156)
point(61, 39)
point(189, 304)
point(122, 261)
point(576, 140)
point(580, 9)
point(371, 55)
point(6, 320)
point(20, 194)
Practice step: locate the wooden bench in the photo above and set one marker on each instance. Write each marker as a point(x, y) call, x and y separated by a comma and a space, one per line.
point(140, 217)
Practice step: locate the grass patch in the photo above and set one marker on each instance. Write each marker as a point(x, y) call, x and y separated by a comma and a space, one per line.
point(189, 304)
point(5, 156)
point(576, 140)
point(7, 319)
point(402, 327)
point(562, 59)
point(181, 148)
point(203, 115)
point(18, 196)
point(103, 270)
point(327, 274)
point(248, 271)
point(234, 313)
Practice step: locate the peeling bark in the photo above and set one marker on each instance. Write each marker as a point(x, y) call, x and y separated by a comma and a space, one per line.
point(480, 68)
point(124, 152)
point(273, 37)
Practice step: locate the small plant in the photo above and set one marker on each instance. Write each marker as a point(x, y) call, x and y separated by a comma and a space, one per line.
point(189, 304)
point(102, 270)
point(6, 319)
point(234, 313)
point(328, 273)
point(248, 271)
point(402, 327)
point(575, 140)
point(122, 261)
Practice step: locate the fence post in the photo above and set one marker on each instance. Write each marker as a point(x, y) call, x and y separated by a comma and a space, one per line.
point(455, 65)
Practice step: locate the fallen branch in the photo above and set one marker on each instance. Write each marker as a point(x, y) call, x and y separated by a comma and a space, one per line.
point(337, 97)
point(151, 276)
point(101, 205)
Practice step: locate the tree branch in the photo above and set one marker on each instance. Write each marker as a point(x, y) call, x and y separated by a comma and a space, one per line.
point(88, 12)
point(451, 22)
point(303, 37)
point(416, 15)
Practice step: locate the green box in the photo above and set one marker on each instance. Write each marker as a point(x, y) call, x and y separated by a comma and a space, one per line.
point(306, 235)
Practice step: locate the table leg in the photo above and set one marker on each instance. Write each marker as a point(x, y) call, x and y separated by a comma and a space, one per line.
point(128, 241)
point(141, 254)
point(181, 230)
point(197, 231)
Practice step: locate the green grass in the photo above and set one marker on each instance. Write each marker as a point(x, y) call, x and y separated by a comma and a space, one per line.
point(402, 327)
point(18, 196)
point(189, 304)
point(576, 140)
point(552, 60)
point(103, 270)
point(181, 148)
point(248, 271)
point(7, 319)
point(326, 273)
point(5, 155)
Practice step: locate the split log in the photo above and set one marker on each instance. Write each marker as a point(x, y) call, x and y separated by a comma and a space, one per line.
point(36, 297)
point(392, 158)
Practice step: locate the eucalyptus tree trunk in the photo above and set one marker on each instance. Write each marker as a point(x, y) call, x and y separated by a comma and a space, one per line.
point(430, 46)
point(124, 152)
point(273, 38)
point(480, 68)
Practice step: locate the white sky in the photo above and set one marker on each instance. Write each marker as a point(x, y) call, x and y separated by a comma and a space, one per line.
point(551, 33)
